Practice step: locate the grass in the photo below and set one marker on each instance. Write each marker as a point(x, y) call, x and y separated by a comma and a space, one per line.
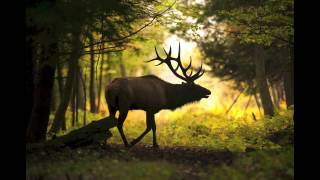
point(205, 129)
point(264, 164)
point(91, 164)
point(94, 164)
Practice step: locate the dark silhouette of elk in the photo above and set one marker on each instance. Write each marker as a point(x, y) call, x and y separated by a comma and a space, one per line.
point(152, 94)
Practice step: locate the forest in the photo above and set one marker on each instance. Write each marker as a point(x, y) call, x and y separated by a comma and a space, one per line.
point(150, 89)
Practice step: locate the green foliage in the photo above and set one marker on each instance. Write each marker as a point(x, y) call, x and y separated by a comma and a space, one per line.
point(229, 31)
point(205, 129)
point(277, 164)
point(92, 164)
point(265, 24)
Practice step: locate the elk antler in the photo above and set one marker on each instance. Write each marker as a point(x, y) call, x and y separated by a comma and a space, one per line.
point(188, 78)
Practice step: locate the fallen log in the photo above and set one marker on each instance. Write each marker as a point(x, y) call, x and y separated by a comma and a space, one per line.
point(95, 132)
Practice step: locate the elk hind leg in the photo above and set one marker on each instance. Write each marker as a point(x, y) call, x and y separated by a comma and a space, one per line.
point(112, 114)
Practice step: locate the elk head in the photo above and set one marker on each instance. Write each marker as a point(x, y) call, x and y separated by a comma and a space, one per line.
point(195, 92)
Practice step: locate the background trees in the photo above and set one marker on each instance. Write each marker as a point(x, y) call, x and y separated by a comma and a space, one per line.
point(60, 34)
point(250, 42)
point(75, 48)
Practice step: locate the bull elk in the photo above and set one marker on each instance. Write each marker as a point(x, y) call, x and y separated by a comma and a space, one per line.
point(152, 94)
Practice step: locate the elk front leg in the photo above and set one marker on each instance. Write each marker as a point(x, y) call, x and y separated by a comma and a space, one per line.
point(121, 119)
point(150, 121)
point(154, 128)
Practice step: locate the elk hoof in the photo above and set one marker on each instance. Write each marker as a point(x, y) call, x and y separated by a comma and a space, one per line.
point(155, 146)
point(131, 145)
point(126, 145)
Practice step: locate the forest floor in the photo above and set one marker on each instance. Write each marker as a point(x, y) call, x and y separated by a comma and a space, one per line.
point(204, 147)
point(145, 162)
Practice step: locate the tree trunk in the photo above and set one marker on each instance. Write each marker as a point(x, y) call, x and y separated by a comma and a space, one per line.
point(59, 121)
point(257, 102)
point(60, 80)
point(29, 80)
point(275, 96)
point(54, 97)
point(77, 94)
point(37, 127)
point(38, 93)
point(122, 66)
point(289, 81)
point(73, 103)
point(262, 82)
point(108, 68)
point(100, 82)
point(93, 107)
point(81, 103)
point(280, 91)
point(234, 101)
point(85, 98)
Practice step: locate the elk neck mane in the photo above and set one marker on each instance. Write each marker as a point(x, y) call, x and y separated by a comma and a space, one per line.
point(177, 94)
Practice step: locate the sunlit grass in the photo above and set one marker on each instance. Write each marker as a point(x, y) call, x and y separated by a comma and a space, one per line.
point(193, 127)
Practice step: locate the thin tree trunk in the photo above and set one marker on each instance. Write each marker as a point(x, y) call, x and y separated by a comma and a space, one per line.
point(93, 107)
point(274, 93)
point(54, 100)
point(100, 82)
point(262, 82)
point(289, 83)
point(247, 105)
point(85, 99)
point(60, 79)
point(74, 100)
point(256, 98)
point(73, 103)
point(59, 121)
point(37, 127)
point(234, 102)
point(254, 117)
point(108, 68)
point(77, 94)
point(80, 92)
point(122, 66)
point(280, 91)
point(30, 56)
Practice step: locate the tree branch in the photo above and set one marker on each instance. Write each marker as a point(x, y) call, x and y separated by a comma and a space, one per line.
point(137, 31)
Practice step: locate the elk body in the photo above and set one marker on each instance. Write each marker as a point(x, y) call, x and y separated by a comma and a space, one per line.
point(152, 94)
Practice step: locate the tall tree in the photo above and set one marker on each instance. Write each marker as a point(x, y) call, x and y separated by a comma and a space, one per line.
point(122, 66)
point(60, 79)
point(37, 127)
point(100, 82)
point(108, 68)
point(289, 81)
point(29, 77)
point(261, 79)
point(92, 93)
